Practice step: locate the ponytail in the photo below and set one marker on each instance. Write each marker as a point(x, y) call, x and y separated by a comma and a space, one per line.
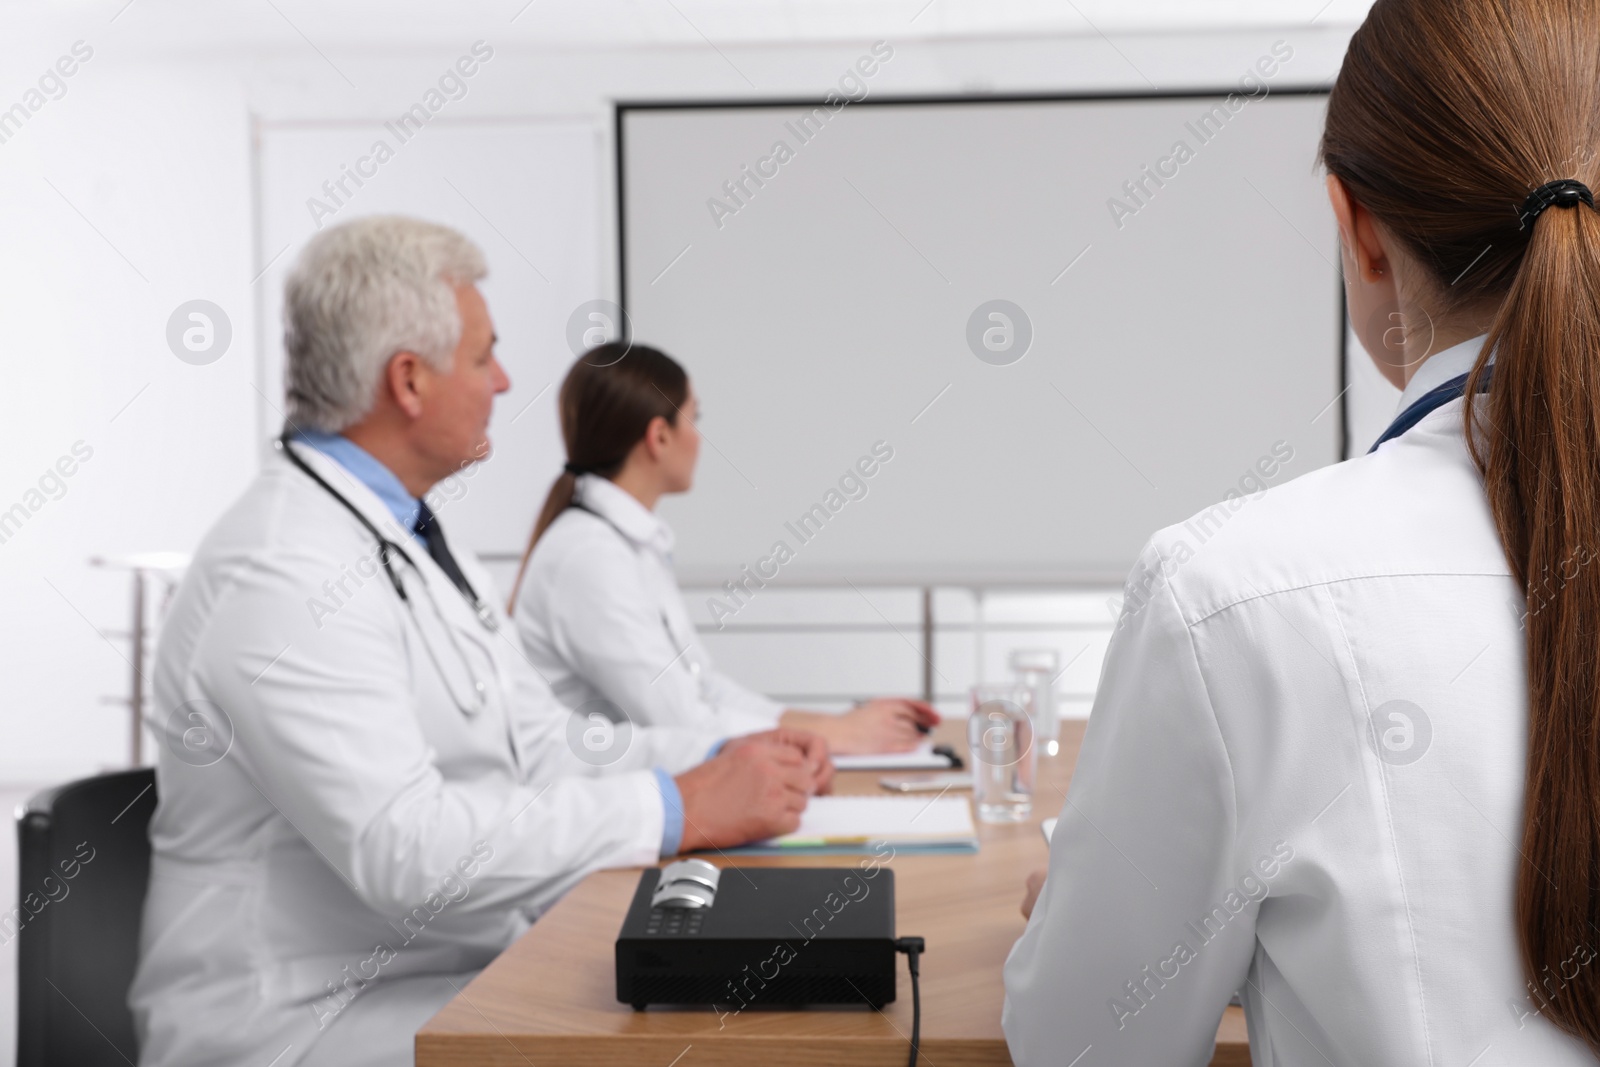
point(1444, 118)
point(559, 499)
point(1538, 446)
point(607, 401)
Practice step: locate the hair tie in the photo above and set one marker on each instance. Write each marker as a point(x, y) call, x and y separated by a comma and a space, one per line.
point(1567, 192)
point(574, 470)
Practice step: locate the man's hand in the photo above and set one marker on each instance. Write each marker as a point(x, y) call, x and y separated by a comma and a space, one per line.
point(1031, 897)
point(888, 724)
point(810, 745)
point(755, 788)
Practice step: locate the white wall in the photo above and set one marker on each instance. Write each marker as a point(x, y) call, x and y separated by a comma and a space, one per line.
point(100, 246)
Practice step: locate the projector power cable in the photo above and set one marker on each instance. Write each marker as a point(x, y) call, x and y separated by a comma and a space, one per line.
point(913, 948)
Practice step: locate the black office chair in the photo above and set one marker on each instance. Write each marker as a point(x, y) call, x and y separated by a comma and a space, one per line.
point(76, 953)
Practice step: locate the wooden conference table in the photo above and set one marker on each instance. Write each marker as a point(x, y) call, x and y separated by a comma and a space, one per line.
point(550, 999)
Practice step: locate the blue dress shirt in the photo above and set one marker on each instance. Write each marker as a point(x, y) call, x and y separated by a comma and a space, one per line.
point(370, 472)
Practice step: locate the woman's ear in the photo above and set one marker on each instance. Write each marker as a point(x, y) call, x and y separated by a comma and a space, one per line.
point(1363, 245)
point(1372, 292)
point(656, 437)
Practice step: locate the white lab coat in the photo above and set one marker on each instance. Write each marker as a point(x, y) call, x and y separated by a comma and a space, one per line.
point(1232, 753)
point(360, 828)
point(601, 616)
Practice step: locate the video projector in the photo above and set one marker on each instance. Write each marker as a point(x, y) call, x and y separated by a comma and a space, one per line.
point(748, 936)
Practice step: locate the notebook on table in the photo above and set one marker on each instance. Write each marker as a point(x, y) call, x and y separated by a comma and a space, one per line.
point(921, 758)
point(859, 824)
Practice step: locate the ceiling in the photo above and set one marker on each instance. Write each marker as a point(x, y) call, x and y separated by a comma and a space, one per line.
point(260, 25)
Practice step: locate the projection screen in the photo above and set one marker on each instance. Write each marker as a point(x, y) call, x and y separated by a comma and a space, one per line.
point(1046, 326)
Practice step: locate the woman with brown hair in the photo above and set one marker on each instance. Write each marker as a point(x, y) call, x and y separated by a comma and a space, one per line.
point(596, 602)
point(1346, 761)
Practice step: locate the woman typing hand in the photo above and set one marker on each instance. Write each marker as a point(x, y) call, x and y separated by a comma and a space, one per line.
point(887, 724)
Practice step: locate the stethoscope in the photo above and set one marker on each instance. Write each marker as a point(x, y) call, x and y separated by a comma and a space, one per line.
point(1431, 401)
point(386, 549)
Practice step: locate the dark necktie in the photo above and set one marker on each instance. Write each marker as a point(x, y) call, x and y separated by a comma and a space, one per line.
point(432, 535)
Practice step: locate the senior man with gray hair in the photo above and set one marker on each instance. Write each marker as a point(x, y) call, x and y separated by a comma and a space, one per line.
point(365, 791)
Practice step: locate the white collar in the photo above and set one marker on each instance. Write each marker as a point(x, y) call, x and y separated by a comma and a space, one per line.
point(367, 502)
point(622, 509)
point(1440, 368)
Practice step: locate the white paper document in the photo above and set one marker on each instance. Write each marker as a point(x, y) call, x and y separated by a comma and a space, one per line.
point(921, 758)
point(901, 821)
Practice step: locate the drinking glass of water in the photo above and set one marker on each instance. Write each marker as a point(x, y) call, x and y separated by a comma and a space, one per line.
point(1000, 737)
